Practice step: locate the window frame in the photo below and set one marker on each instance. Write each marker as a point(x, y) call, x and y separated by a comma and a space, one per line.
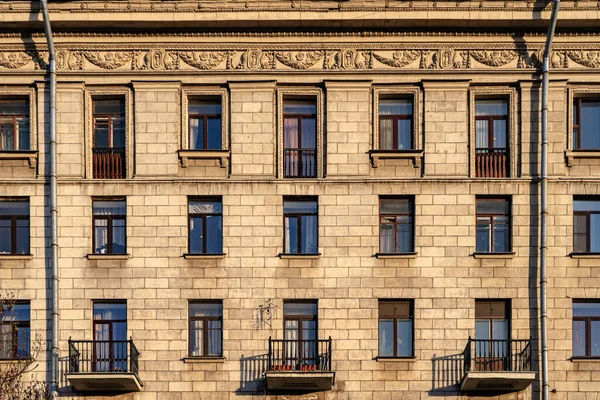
point(13, 224)
point(510, 227)
point(109, 226)
point(587, 214)
point(15, 326)
point(29, 95)
point(298, 215)
point(204, 225)
point(302, 317)
point(577, 126)
point(395, 318)
point(16, 136)
point(205, 330)
point(411, 202)
point(588, 329)
point(189, 94)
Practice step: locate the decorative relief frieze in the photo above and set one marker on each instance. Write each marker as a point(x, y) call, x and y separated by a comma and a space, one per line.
point(494, 58)
point(299, 59)
point(590, 59)
point(14, 59)
point(203, 59)
point(108, 59)
point(399, 59)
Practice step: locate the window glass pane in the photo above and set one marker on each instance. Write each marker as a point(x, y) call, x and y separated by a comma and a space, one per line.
point(214, 133)
point(22, 236)
point(196, 133)
point(299, 107)
point(118, 127)
point(482, 134)
point(386, 337)
point(501, 234)
point(395, 106)
point(206, 107)
point(20, 312)
point(214, 338)
point(118, 239)
point(405, 338)
point(586, 309)
point(205, 207)
point(586, 205)
point(196, 238)
point(309, 133)
point(101, 130)
point(291, 235)
point(299, 308)
point(109, 207)
point(291, 139)
point(7, 134)
point(386, 235)
point(110, 311)
point(214, 235)
point(14, 107)
point(404, 134)
point(595, 339)
point(500, 134)
point(309, 232)
point(590, 121)
point(491, 107)
point(100, 236)
point(109, 106)
point(492, 206)
point(300, 206)
point(5, 236)
point(23, 128)
point(198, 309)
point(499, 329)
point(405, 235)
point(579, 343)
point(395, 206)
point(594, 233)
point(23, 340)
point(14, 208)
point(386, 133)
point(196, 338)
point(483, 234)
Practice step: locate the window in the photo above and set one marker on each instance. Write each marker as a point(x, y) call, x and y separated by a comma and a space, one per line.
point(300, 319)
point(205, 226)
point(491, 138)
point(206, 328)
point(109, 138)
point(300, 138)
point(300, 230)
point(396, 225)
point(396, 328)
point(586, 225)
point(493, 225)
point(205, 123)
point(109, 226)
point(110, 336)
point(14, 226)
point(586, 328)
point(395, 124)
point(586, 124)
point(14, 331)
point(14, 124)
point(492, 332)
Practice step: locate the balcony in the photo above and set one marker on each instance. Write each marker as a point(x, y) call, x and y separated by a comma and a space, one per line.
point(299, 365)
point(497, 365)
point(491, 163)
point(103, 366)
point(108, 163)
point(300, 163)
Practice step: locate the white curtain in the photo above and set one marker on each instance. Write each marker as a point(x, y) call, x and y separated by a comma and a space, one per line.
point(386, 132)
point(310, 234)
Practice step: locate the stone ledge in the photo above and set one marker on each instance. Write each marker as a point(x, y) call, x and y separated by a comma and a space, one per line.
point(218, 256)
point(395, 359)
point(288, 256)
point(415, 155)
point(570, 155)
point(201, 360)
point(386, 256)
point(585, 255)
point(30, 155)
point(509, 254)
point(108, 256)
point(186, 155)
point(16, 257)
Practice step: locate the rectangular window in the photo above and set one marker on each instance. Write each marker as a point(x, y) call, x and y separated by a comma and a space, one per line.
point(300, 318)
point(586, 124)
point(300, 225)
point(492, 334)
point(205, 226)
point(205, 123)
point(109, 217)
point(586, 328)
point(396, 328)
point(110, 336)
point(396, 225)
point(109, 138)
point(15, 335)
point(586, 224)
point(14, 226)
point(491, 138)
point(493, 225)
point(14, 124)
point(396, 124)
point(300, 138)
point(206, 328)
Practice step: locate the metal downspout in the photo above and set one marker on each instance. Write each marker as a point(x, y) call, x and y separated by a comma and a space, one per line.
point(53, 199)
point(544, 200)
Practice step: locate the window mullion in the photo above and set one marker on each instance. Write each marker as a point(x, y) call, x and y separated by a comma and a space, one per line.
point(109, 234)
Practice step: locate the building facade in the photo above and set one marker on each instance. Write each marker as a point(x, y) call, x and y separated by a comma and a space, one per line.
point(303, 200)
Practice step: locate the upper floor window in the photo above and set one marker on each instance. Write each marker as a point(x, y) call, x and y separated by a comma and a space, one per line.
point(300, 230)
point(586, 225)
point(205, 123)
point(493, 225)
point(205, 226)
point(109, 138)
point(586, 328)
point(14, 226)
point(492, 334)
point(491, 138)
point(395, 124)
point(299, 138)
point(300, 318)
point(14, 124)
point(586, 124)
point(396, 225)
point(396, 328)
point(15, 333)
point(110, 336)
point(206, 328)
point(109, 233)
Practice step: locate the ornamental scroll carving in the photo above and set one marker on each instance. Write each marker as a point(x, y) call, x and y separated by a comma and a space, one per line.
point(108, 59)
point(590, 59)
point(14, 59)
point(399, 59)
point(348, 59)
point(299, 59)
point(155, 59)
point(256, 59)
point(70, 61)
point(203, 59)
point(494, 58)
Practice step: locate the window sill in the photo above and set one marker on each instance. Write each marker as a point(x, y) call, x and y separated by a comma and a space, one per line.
point(108, 256)
point(288, 256)
point(415, 155)
point(201, 360)
point(216, 256)
point(585, 255)
point(395, 359)
point(386, 256)
point(13, 360)
point(186, 155)
point(510, 254)
point(570, 155)
point(29, 155)
point(16, 256)
point(585, 359)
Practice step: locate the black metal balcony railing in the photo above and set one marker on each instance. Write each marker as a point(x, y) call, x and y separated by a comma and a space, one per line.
point(300, 163)
point(497, 355)
point(103, 356)
point(299, 355)
point(491, 162)
point(108, 163)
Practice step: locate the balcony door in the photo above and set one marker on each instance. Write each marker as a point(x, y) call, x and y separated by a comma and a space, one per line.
point(109, 138)
point(300, 138)
point(300, 335)
point(491, 138)
point(492, 334)
point(110, 337)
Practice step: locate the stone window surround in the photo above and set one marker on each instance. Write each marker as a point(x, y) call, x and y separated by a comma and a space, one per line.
point(509, 94)
point(185, 153)
point(90, 94)
point(300, 93)
point(416, 154)
point(573, 93)
point(30, 155)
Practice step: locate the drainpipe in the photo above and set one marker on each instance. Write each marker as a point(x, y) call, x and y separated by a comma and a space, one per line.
point(544, 200)
point(53, 199)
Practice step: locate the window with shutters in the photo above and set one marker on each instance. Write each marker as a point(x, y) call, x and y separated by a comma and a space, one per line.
point(396, 328)
point(586, 224)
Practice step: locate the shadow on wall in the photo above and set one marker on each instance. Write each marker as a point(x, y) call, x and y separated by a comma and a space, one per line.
point(252, 374)
point(446, 374)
